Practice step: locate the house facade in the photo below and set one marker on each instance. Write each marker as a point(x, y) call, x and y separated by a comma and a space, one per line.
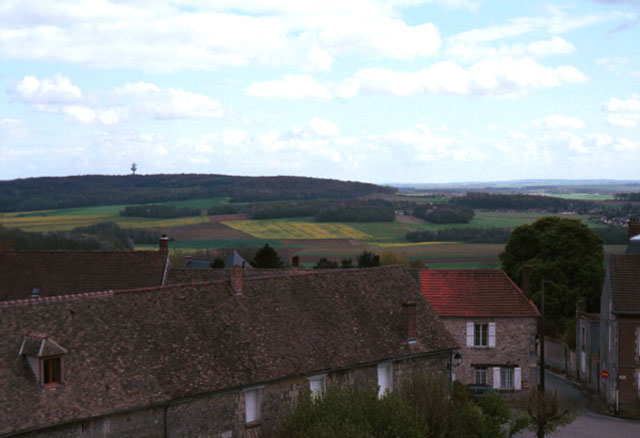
point(587, 346)
point(493, 321)
point(620, 332)
point(213, 359)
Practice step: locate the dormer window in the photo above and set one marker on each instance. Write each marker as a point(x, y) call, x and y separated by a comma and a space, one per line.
point(46, 359)
point(52, 371)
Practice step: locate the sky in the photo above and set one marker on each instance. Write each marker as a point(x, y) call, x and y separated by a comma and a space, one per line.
point(382, 91)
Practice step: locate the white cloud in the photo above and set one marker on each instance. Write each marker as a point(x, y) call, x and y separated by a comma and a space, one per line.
point(169, 103)
point(319, 59)
point(14, 128)
point(557, 121)
point(290, 87)
point(324, 128)
point(623, 113)
point(55, 90)
point(500, 77)
point(169, 36)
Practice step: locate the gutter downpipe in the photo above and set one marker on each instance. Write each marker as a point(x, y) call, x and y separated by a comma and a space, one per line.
point(617, 366)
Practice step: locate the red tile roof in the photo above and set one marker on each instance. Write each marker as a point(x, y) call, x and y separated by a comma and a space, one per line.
point(474, 292)
point(57, 273)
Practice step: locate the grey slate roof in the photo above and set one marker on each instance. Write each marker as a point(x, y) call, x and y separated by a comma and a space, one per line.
point(235, 259)
point(129, 349)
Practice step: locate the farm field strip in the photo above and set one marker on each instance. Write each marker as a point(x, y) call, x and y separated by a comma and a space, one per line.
point(283, 229)
point(68, 222)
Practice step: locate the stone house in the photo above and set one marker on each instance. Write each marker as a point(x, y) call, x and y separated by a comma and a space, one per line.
point(587, 346)
point(26, 274)
point(492, 320)
point(211, 359)
point(620, 331)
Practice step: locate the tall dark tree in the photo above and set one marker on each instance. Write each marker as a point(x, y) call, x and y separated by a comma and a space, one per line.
point(367, 259)
point(566, 253)
point(267, 257)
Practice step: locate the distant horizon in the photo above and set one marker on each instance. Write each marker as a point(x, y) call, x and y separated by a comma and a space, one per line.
point(372, 90)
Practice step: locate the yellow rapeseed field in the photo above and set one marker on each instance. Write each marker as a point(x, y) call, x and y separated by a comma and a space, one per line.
point(402, 244)
point(282, 229)
point(69, 222)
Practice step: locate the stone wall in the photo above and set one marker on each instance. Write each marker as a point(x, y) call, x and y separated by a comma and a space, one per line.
point(515, 346)
point(222, 414)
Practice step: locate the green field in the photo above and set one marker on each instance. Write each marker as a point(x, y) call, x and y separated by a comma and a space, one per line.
point(582, 196)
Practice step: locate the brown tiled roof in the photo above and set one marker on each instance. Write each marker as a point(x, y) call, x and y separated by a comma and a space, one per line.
point(474, 292)
point(624, 277)
point(69, 272)
point(179, 276)
point(130, 349)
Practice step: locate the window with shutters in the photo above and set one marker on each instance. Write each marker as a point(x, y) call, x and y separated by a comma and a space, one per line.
point(506, 378)
point(481, 335)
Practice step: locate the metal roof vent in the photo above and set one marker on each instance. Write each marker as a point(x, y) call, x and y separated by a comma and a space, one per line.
point(35, 293)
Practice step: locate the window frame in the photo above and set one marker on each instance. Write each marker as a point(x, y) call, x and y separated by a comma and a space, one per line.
point(480, 371)
point(385, 369)
point(480, 331)
point(318, 393)
point(50, 372)
point(254, 395)
point(507, 378)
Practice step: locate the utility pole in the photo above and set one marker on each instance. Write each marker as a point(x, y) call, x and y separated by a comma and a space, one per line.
point(542, 365)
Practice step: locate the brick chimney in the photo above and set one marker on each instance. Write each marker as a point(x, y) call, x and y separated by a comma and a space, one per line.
point(581, 308)
point(164, 244)
point(236, 278)
point(409, 311)
point(634, 226)
point(526, 279)
point(295, 261)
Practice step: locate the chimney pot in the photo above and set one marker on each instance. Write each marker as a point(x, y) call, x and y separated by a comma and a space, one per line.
point(633, 226)
point(164, 244)
point(526, 279)
point(295, 261)
point(409, 308)
point(236, 278)
point(581, 307)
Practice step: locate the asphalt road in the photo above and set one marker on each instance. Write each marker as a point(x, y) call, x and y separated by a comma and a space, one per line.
point(589, 423)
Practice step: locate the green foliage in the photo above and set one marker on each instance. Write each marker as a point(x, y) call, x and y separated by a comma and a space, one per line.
point(325, 263)
point(393, 258)
point(368, 259)
point(352, 413)
point(444, 213)
point(35, 193)
point(563, 251)
point(267, 257)
point(547, 412)
point(491, 201)
point(467, 235)
point(346, 264)
point(158, 211)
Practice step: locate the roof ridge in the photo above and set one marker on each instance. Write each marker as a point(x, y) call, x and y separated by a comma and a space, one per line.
point(56, 298)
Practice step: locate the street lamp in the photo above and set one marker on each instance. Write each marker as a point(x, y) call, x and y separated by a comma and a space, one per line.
point(454, 361)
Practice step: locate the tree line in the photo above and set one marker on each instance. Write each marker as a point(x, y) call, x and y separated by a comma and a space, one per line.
point(446, 213)
point(491, 201)
point(158, 211)
point(101, 236)
point(322, 210)
point(62, 192)
point(632, 197)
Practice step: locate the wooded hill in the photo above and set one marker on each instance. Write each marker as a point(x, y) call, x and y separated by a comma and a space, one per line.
point(90, 190)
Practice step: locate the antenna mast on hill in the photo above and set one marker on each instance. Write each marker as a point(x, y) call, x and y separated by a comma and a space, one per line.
point(134, 167)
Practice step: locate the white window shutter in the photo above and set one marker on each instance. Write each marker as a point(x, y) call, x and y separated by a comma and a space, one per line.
point(252, 405)
point(496, 377)
point(492, 334)
point(385, 379)
point(469, 334)
point(517, 378)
